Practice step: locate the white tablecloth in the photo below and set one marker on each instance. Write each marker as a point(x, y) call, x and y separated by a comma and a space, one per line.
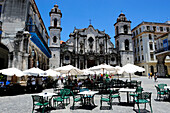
point(45, 94)
point(88, 92)
point(127, 90)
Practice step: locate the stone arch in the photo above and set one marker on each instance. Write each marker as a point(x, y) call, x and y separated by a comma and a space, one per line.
point(161, 67)
point(125, 28)
point(55, 22)
point(54, 39)
point(10, 46)
point(166, 67)
point(126, 44)
point(152, 69)
point(4, 56)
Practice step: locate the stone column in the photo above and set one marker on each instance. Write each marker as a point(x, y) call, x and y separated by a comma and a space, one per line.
point(86, 64)
point(161, 66)
point(76, 62)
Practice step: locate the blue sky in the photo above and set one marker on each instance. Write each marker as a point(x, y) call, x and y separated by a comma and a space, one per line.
point(103, 13)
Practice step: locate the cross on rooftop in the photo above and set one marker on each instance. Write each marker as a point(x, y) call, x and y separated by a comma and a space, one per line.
point(90, 21)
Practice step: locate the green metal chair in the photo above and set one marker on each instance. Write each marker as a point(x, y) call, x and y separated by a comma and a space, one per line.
point(138, 91)
point(60, 98)
point(66, 97)
point(160, 92)
point(76, 99)
point(114, 96)
point(39, 101)
point(161, 86)
point(143, 98)
point(106, 98)
point(139, 83)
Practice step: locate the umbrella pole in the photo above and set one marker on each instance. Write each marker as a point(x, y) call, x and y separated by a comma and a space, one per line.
point(130, 76)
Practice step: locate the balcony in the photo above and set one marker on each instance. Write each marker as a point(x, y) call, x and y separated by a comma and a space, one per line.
point(34, 29)
point(162, 50)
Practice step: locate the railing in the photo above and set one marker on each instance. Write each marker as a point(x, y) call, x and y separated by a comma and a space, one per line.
point(162, 50)
point(34, 29)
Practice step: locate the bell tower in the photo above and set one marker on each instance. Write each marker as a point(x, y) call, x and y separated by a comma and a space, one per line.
point(55, 37)
point(123, 40)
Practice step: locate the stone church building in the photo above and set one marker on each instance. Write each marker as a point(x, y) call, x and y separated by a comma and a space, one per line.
point(88, 47)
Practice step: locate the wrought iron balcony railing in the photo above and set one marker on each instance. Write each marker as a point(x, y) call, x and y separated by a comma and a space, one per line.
point(34, 29)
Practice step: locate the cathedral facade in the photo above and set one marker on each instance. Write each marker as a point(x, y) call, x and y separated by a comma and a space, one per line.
point(88, 47)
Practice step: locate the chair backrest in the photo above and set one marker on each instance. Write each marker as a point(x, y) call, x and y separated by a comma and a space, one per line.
point(161, 86)
point(84, 89)
point(139, 90)
point(67, 91)
point(62, 93)
point(37, 98)
point(139, 83)
point(157, 88)
point(144, 95)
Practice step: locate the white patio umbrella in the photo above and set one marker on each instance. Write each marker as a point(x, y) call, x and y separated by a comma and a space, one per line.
point(69, 69)
point(11, 72)
point(103, 67)
point(87, 72)
point(51, 72)
point(118, 70)
point(34, 71)
point(130, 68)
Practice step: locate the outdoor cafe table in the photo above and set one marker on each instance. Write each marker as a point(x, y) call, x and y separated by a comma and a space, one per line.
point(127, 90)
point(47, 95)
point(88, 93)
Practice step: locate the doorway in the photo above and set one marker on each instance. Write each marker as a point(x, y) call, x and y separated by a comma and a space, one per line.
point(90, 63)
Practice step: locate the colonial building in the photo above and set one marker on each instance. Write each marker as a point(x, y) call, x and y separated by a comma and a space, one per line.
point(24, 35)
point(163, 54)
point(89, 47)
point(144, 42)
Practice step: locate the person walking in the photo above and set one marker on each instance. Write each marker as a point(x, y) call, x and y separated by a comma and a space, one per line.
point(149, 75)
point(156, 76)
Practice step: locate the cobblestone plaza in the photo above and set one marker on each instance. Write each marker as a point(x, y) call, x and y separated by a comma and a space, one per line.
point(23, 103)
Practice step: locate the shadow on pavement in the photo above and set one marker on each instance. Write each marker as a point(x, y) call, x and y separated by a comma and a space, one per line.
point(85, 107)
point(141, 111)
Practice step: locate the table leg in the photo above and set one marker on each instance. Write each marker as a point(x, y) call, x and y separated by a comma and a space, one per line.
point(93, 100)
point(127, 97)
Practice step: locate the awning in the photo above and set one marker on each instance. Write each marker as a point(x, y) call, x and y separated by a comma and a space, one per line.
point(35, 39)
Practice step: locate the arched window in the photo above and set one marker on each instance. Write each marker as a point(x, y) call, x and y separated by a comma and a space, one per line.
point(125, 29)
point(55, 10)
point(54, 39)
point(55, 22)
point(67, 58)
point(150, 37)
point(90, 39)
point(117, 30)
point(126, 44)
